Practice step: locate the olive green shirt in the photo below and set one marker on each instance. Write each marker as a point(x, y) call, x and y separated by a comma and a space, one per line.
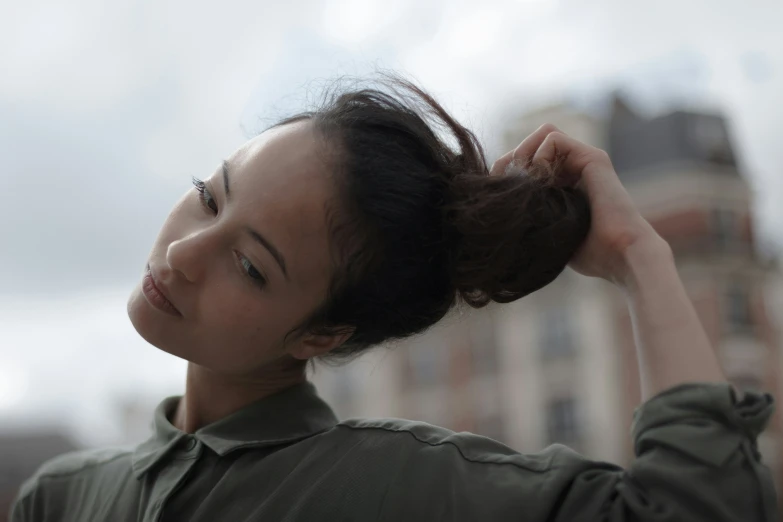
point(287, 458)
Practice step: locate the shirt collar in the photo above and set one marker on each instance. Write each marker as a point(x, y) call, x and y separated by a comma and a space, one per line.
point(290, 415)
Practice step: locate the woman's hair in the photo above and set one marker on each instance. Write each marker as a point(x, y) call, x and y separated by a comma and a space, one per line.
point(418, 225)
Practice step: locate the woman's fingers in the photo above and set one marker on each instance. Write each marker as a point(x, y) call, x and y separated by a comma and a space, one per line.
point(500, 165)
point(524, 151)
point(572, 156)
point(548, 145)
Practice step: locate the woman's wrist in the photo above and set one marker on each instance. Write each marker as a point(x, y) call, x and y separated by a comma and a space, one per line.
point(671, 344)
point(642, 261)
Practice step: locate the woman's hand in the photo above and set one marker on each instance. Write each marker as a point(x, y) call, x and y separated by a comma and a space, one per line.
point(617, 226)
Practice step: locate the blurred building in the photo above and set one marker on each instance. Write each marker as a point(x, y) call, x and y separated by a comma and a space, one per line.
point(134, 415)
point(560, 365)
point(20, 455)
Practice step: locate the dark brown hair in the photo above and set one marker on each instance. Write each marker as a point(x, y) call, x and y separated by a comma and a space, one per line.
point(418, 224)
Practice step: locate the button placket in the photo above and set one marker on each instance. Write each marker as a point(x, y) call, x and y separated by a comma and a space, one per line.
point(174, 474)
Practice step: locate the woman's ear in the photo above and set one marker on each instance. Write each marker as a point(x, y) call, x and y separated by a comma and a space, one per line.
point(313, 345)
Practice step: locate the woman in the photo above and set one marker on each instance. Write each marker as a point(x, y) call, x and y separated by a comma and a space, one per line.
point(355, 224)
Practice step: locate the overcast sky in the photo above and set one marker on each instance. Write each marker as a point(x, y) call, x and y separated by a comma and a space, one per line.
point(108, 108)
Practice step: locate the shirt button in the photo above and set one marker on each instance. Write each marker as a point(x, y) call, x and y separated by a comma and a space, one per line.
point(190, 443)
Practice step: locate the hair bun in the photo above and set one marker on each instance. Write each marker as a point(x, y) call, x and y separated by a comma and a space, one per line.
point(513, 234)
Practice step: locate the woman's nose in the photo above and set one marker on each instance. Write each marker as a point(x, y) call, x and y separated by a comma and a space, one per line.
point(190, 255)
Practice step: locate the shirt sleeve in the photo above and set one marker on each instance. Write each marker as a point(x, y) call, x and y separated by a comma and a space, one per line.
point(696, 460)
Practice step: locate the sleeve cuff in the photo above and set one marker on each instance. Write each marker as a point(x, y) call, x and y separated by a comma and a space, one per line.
point(703, 420)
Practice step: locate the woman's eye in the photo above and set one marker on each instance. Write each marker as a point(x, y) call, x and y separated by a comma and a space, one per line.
point(251, 271)
point(205, 196)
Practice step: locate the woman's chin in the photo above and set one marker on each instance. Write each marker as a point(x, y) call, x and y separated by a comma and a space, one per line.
point(148, 323)
point(135, 308)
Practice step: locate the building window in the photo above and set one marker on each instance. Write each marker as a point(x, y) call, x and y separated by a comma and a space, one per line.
point(427, 364)
point(710, 133)
point(557, 337)
point(738, 314)
point(345, 387)
point(562, 421)
point(483, 345)
point(491, 426)
point(711, 137)
point(724, 226)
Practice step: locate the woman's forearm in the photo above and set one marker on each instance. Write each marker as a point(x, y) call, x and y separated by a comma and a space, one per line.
point(671, 344)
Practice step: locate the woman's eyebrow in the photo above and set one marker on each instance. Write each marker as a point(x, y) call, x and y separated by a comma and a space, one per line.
point(257, 236)
point(225, 178)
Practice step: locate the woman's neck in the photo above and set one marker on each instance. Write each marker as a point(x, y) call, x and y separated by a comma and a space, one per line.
point(210, 397)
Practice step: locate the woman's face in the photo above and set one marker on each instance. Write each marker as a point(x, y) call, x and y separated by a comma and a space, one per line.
point(244, 260)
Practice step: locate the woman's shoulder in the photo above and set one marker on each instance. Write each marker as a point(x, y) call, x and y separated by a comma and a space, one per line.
point(436, 443)
point(81, 460)
point(60, 469)
point(428, 472)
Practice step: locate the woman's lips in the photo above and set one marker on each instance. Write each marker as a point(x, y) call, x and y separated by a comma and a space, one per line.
point(155, 296)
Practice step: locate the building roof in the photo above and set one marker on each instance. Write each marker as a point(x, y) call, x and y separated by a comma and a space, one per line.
point(636, 143)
